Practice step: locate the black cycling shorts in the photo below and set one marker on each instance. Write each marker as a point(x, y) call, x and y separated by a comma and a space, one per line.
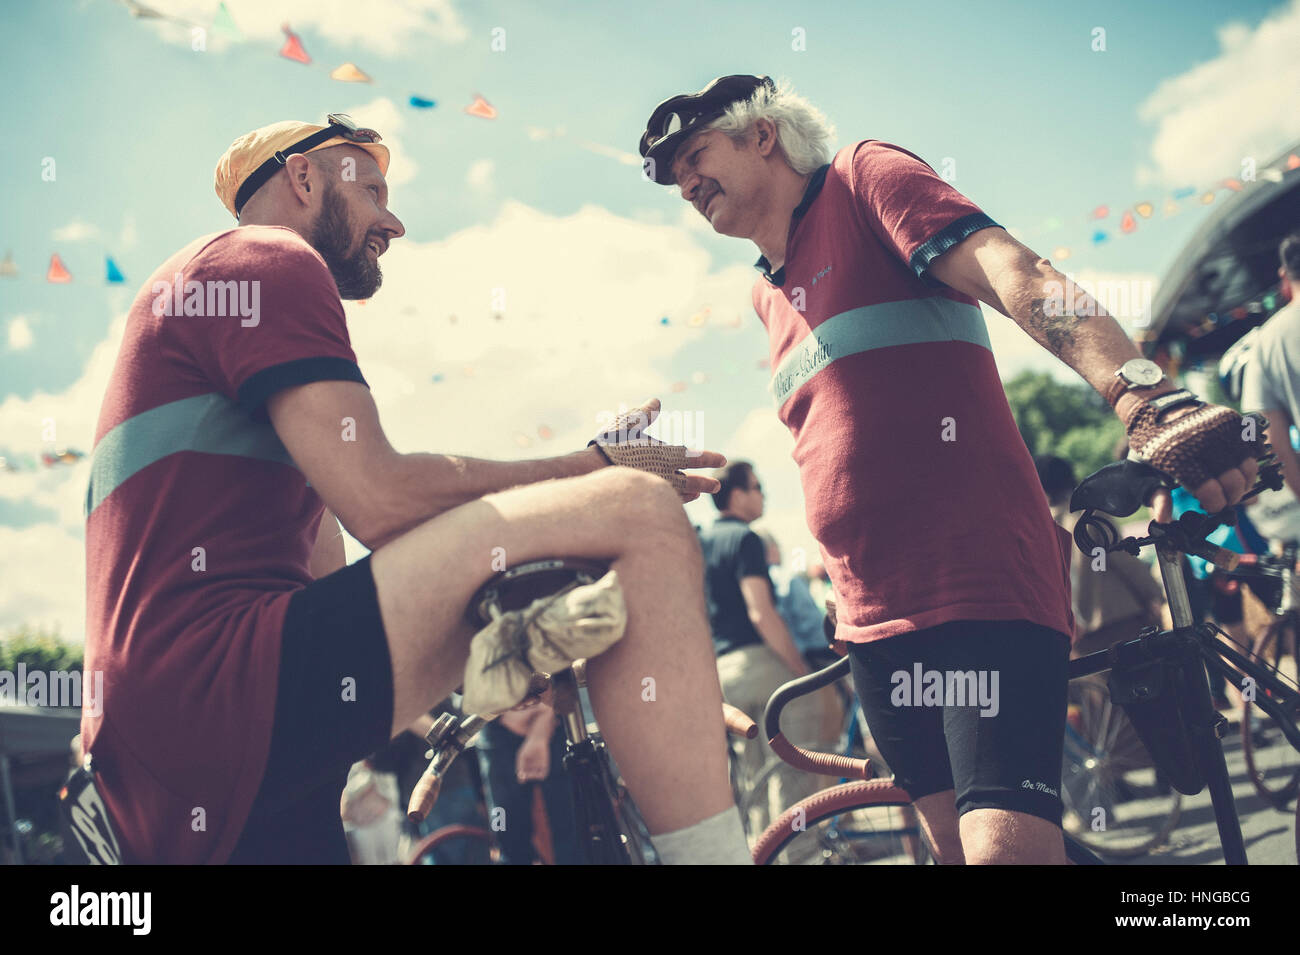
point(323, 724)
point(930, 729)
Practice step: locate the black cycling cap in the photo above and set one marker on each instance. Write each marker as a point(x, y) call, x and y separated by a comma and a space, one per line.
point(677, 117)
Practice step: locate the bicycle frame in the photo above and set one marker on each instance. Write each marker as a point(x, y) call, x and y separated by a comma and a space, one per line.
point(1205, 725)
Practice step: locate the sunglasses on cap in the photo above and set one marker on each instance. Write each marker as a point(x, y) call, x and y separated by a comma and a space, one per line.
point(338, 126)
point(674, 118)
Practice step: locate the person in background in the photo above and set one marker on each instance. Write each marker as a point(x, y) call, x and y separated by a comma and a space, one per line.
point(756, 653)
point(1110, 604)
point(795, 603)
point(1271, 381)
point(519, 751)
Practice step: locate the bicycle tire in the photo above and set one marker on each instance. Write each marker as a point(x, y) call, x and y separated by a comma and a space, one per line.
point(869, 794)
point(1108, 777)
point(446, 834)
point(1271, 761)
point(807, 821)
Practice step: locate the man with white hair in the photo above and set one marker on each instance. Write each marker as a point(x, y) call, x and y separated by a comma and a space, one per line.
point(919, 488)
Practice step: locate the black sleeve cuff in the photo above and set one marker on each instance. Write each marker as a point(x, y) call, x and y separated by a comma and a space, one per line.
point(253, 393)
point(943, 240)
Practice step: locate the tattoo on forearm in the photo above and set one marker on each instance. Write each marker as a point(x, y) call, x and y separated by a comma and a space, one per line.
point(1056, 325)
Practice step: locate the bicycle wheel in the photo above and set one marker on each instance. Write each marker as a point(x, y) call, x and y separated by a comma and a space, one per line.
point(859, 823)
point(1116, 803)
point(1271, 761)
point(426, 850)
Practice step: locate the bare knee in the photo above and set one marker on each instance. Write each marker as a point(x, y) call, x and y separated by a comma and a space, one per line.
point(1006, 837)
point(647, 513)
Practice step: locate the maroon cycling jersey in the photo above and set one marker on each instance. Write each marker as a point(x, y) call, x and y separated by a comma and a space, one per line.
point(918, 486)
point(199, 529)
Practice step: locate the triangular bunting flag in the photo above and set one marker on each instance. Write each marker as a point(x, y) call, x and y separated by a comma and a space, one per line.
point(1232, 184)
point(1184, 192)
point(141, 11)
point(1144, 209)
point(224, 24)
point(419, 102)
point(1060, 253)
point(1171, 208)
point(481, 108)
point(57, 272)
point(292, 49)
point(115, 275)
point(1207, 198)
point(1099, 237)
point(1128, 223)
point(8, 268)
point(348, 73)
point(1293, 161)
point(1101, 212)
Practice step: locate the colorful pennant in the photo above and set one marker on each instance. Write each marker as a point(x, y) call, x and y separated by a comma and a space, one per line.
point(293, 49)
point(481, 108)
point(57, 272)
point(349, 73)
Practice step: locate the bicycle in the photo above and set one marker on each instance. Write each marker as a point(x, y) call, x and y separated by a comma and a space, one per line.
point(885, 836)
point(610, 827)
point(1159, 679)
point(1274, 769)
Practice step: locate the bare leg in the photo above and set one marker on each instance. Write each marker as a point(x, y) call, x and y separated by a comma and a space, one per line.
point(667, 736)
point(1006, 837)
point(937, 814)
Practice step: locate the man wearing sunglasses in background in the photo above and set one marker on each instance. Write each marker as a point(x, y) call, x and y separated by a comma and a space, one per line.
point(245, 667)
point(872, 267)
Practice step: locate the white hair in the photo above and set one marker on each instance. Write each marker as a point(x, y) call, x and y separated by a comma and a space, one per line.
point(802, 131)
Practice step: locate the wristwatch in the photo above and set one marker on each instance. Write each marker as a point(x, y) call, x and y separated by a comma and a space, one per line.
point(1135, 373)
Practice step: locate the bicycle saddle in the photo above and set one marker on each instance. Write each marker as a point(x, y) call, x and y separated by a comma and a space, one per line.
point(516, 587)
point(1119, 489)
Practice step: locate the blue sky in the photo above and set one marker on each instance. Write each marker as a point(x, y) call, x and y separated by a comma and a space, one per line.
point(1041, 127)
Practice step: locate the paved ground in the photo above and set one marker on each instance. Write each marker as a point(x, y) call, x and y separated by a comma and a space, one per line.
point(1268, 832)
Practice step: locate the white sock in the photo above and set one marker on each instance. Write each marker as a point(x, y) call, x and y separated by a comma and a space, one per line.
point(718, 840)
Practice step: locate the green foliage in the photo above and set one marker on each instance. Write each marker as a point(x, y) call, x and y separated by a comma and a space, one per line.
point(1068, 420)
point(39, 649)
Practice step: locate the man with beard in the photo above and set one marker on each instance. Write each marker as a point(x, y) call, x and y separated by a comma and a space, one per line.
point(245, 667)
point(918, 486)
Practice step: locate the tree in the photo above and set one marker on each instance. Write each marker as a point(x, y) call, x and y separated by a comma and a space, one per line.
point(1070, 421)
point(39, 649)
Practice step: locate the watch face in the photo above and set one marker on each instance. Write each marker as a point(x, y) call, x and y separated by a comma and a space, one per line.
point(1142, 372)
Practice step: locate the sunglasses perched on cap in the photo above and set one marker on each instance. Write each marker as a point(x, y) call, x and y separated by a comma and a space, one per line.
point(342, 125)
point(338, 126)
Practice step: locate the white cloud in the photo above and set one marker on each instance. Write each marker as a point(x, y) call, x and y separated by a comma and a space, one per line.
point(480, 174)
point(40, 586)
point(20, 334)
point(383, 27)
point(383, 115)
point(1239, 104)
point(76, 231)
point(129, 235)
